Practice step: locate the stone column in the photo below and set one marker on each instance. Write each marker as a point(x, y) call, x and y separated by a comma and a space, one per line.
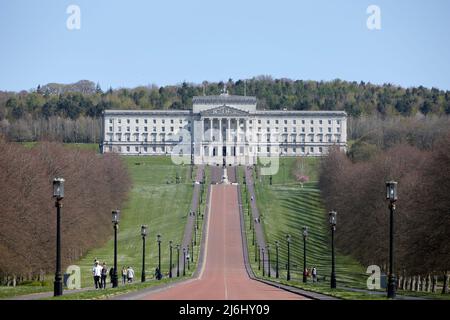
point(210, 129)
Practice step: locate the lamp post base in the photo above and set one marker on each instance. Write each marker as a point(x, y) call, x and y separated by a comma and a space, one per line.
point(114, 281)
point(333, 282)
point(391, 287)
point(57, 287)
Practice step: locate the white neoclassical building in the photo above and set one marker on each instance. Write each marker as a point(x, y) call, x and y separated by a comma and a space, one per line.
point(223, 129)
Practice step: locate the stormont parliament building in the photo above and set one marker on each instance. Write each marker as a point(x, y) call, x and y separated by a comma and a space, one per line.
point(223, 129)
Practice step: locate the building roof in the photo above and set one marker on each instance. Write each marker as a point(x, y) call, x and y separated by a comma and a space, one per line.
point(224, 99)
point(312, 113)
point(146, 112)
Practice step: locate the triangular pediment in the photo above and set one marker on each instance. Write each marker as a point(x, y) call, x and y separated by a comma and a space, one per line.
point(225, 111)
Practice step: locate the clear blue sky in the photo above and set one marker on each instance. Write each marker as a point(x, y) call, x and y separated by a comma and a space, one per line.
point(130, 43)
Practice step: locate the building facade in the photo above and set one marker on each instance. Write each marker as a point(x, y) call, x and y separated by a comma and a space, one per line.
point(223, 129)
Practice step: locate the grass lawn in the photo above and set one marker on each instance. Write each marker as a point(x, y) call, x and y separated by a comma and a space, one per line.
point(155, 200)
point(7, 292)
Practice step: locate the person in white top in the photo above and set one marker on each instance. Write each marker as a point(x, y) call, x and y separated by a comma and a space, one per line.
point(130, 274)
point(97, 273)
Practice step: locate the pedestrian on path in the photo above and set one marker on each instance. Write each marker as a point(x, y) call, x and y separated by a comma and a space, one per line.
point(314, 274)
point(104, 274)
point(124, 275)
point(130, 274)
point(97, 272)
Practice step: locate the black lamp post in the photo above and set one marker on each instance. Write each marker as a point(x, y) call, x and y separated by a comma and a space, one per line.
point(143, 234)
point(263, 264)
point(170, 258)
point(333, 217)
point(305, 235)
point(288, 240)
point(256, 252)
point(178, 260)
point(184, 261)
point(158, 239)
point(58, 194)
point(115, 221)
point(391, 195)
point(268, 260)
point(188, 258)
point(276, 253)
point(259, 257)
point(253, 239)
point(192, 251)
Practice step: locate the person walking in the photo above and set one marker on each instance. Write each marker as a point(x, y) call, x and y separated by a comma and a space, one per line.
point(314, 274)
point(124, 275)
point(130, 274)
point(104, 274)
point(97, 273)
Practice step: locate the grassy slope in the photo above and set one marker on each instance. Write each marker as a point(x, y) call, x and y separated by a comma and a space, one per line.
point(162, 206)
point(285, 208)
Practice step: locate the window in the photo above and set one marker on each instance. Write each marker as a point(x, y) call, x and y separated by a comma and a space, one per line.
point(320, 149)
point(329, 129)
point(303, 129)
point(110, 129)
point(128, 129)
point(145, 149)
point(154, 121)
point(320, 129)
point(294, 121)
point(120, 129)
point(128, 149)
point(285, 121)
point(145, 121)
point(145, 129)
point(311, 129)
point(329, 121)
point(163, 121)
point(136, 149)
point(303, 149)
point(128, 120)
point(110, 121)
point(320, 121)
point(171, 121)
point(268, 129)
point(171, 129)
point(268, 121)
point(276, 121)
point(163, 129)
point(311, 149)
point(137, 120)
point(303, 121)
point(119, 120)
point(137, 129)
point(338, 122)
point(259, 121)
point(294, 129)
point(338, 129)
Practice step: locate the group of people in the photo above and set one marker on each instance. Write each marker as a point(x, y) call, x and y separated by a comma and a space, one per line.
point(100, 273)
point(312, 274)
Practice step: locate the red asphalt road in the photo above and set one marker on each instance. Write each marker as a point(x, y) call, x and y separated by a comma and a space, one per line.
point(223, 276)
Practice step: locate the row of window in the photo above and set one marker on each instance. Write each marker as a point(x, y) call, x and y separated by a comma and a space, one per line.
point(137, 121)
point(294, 121)
point(301, 150)
point(137, 129)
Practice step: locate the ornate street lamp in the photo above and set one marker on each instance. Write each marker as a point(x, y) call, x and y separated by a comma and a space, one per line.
point(305, 236)
point(143, 234)
point(170, 258)
point(268, 260)
point(115, 221)
point(184, 261)
point(332, 220)
point(263, 265)
point(58, 194)
point(288, 240)
point(391, 195)
point(178, 260)
point(158, 239)
point(276, 253)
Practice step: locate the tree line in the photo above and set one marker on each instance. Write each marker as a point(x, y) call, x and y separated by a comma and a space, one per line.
point(94, 185)
point(87, 99)
point(356, 190)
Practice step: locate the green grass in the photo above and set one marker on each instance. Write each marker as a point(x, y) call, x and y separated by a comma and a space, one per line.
point(109, 292)
point(155, 200)
point(285, 208)
point(8, 292)
point(82, 146)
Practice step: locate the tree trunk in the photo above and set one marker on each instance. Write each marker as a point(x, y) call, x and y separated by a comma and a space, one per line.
point(445, 285)
point(433, 284)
